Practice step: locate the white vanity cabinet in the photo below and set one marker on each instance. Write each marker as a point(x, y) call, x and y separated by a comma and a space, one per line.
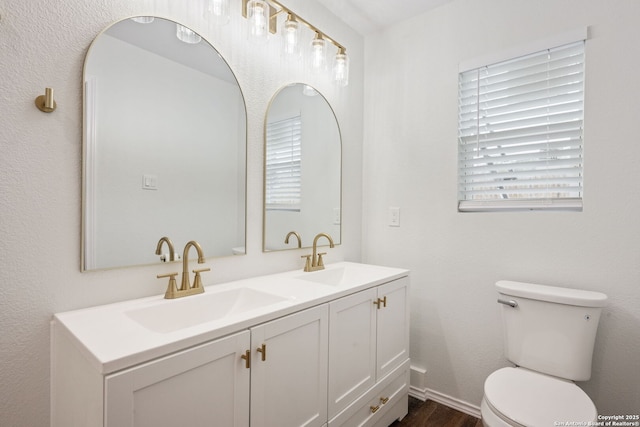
point(284, 383)
point(327, 349)
point(368, 354)
point(392, 326)
point(203, 386)
point(289, 370)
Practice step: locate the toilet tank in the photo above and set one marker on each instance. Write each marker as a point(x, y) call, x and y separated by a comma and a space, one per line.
point(550, 330)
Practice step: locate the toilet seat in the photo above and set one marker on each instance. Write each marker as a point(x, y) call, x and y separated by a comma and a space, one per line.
point(526, 398)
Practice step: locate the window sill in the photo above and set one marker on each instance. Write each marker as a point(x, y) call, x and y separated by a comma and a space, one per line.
point(572, 205)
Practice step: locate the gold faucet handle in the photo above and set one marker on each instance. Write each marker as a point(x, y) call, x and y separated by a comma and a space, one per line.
point(197, 281)
point(320, 262)
point(172, 288)
point(307, 263)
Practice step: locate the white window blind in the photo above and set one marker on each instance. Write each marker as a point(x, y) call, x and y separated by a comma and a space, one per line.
point(520, 132)
point(283, 161)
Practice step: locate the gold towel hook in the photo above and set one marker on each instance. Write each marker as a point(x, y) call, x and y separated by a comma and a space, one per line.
point(45, 102)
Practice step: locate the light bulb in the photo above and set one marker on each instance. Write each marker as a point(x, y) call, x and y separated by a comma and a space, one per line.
point(258, 16)
point(290, 36)
point(341, 68)
point(318, 53)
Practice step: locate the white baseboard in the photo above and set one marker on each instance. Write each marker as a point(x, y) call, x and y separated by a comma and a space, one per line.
point(454, 403)
point(420, 394)
point(418, 390)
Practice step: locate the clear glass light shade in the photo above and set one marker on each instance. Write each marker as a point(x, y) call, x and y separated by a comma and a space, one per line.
point(186, 35)
point(318, 58)
point(341, 69)
point(218, 10)
point(258, 17)
point(143, 19)
point(290, 37)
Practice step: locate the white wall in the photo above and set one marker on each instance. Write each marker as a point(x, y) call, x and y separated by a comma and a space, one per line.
point(43, 44)
point(455, 259)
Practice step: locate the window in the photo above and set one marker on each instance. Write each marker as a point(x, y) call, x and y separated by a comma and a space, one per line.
point(520, 132)
point(283, 159)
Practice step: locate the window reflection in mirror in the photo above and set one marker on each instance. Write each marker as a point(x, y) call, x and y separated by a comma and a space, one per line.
point(303, 156)
point(164, 147)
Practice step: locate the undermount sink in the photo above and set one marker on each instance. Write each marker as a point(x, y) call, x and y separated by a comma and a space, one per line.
point(173, 315)
point(348, 274)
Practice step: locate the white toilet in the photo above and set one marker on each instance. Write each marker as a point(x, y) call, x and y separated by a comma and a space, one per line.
point(549, 333)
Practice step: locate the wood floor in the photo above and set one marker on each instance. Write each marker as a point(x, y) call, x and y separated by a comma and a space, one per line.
point(432, 414)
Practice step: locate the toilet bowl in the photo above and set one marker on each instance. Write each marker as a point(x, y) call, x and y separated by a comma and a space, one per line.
point(521, 397)
point(549, 334)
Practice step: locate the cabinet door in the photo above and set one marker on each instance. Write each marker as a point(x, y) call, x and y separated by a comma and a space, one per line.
point(207, 385)
point(352, 348)
point(289, 373)
point(393, 326)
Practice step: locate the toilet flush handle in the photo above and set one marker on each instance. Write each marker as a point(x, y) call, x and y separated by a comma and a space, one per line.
point(510, 303)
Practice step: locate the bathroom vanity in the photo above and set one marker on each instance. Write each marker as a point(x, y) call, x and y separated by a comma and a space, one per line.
point(326, 348)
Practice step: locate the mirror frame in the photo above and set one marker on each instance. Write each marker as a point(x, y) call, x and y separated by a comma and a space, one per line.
point(264, 175)
point(86, 149)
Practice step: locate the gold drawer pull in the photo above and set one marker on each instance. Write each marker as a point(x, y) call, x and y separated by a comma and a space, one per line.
point(263, 350)
point(384, 400)
point(382, 301)
point(247, 359)
point(374, 409)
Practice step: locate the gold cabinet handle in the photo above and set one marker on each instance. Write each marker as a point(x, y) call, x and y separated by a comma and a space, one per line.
point(263, 350)
point(384, 400)
point(374, 409)
point(382, 301)
point(247, 359)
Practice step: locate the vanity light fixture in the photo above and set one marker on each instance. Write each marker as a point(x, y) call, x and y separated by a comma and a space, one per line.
point(263, 19)
point(290, 36)
point(259, 14)
point(341, 68)
point(318, 53)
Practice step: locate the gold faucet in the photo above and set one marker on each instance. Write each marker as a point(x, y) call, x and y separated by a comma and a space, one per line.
point(293, 233)
point(314, 262)
point(185, 288)
point(172, 252)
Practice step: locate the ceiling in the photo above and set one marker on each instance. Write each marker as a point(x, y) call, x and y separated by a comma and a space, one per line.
point(367, 16)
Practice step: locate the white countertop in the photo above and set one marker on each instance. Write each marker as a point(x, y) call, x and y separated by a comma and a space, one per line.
point(113, 340)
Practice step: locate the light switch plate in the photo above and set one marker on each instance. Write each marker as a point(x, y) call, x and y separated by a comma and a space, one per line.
point(149, 182)
point(394, 216)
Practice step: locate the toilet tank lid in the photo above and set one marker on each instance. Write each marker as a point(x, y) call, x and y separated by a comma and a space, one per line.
point(554, 294)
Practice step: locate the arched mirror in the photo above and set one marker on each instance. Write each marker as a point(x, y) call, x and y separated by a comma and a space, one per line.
point(164, 146)
point(303, 158)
